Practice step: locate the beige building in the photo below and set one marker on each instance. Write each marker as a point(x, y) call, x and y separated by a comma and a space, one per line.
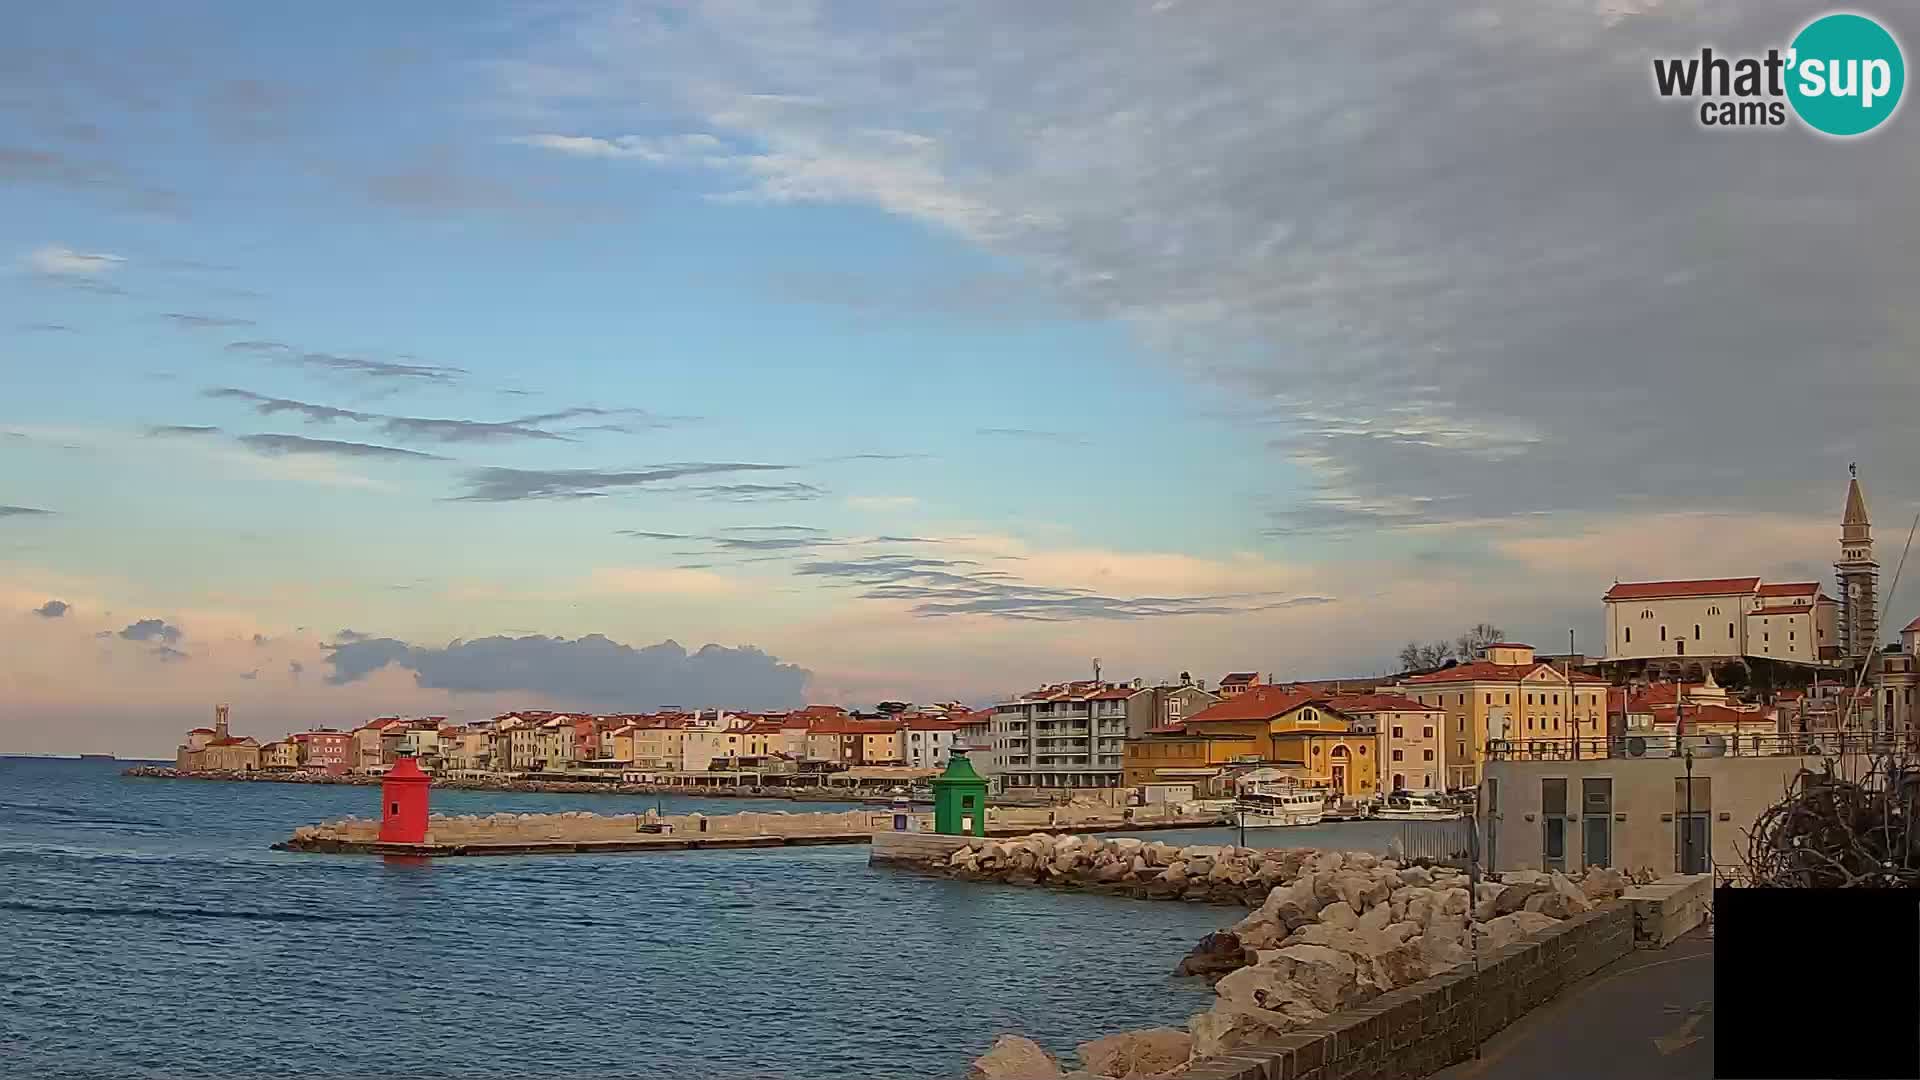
point(1509, 696)
point(1720, 618)
point(1632, 812)
point(1159, 706)
point(1408, 739)
point(1065, 736)
point(659, 744)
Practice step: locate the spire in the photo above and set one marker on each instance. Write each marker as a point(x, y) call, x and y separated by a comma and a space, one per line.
point(1856, 503)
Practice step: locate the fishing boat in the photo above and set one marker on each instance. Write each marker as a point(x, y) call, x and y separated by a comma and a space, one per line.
point(1416, 806)
point(1271, 804)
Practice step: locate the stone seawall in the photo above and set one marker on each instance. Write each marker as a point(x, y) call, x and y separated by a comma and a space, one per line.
point(1333, 932)
point(1417, 1030)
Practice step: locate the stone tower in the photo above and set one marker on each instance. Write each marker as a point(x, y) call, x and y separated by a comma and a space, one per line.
point(1859, 576)
point(220, 722)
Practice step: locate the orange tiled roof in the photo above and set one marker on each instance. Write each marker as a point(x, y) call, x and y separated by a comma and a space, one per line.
point(1368, 703)
point(1791, 588)
point(1258, 703)
point(1663, 590)
point(1488, 671)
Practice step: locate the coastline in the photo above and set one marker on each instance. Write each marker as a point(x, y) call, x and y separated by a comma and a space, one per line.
point(563, 787)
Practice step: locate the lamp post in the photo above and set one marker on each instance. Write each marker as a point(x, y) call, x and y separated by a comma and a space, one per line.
point(1686, 827)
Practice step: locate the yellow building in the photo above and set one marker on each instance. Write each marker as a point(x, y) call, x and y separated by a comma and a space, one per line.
point(1264, 726)
point(656, 745)
point(284, 754)
point(1510, 696)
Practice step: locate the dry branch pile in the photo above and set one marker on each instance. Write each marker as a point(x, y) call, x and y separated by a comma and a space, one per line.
point(1831, 832)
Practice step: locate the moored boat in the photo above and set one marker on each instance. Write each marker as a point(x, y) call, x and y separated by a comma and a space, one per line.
point(1416, 806)
point(1266, 805)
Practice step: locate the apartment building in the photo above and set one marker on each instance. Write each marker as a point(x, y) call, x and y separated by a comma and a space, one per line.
point(1407, 739)
point(1073, 735)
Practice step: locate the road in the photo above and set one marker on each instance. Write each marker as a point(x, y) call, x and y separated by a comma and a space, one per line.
point(1648, 1015)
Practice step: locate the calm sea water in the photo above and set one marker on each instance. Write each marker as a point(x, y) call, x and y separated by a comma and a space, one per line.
point(147, 930)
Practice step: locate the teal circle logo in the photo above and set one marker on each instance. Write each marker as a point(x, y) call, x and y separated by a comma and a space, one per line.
point(1846, 74)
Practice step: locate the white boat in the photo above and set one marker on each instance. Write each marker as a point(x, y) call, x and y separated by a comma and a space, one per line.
point(1270, 805)
point(1416, 806)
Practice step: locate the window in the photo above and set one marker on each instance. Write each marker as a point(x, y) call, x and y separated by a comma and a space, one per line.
point(1489, 699)
point(1663, 633)
point(1398, 731)
point(1529, 723)
point(1529, 699)
point(1556, 699)
point(1363, 749)
point(1696, 631)
point(1397, 755)
point(1647, 613)
point(1460, 723)
point(1713, 611)
point(1509, 700)
point(1729, 631)
point(1426, 733)
point(1789, 635)
point(1629, 635)
point(1426, 755)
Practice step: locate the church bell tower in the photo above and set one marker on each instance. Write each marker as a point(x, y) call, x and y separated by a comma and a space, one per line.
point(1859, 576)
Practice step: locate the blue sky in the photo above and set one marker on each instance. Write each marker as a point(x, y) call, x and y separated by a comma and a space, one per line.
point(1118, 343)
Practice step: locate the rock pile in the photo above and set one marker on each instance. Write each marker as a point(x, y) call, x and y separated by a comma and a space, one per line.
point(1155, 870)
point(1332, 930)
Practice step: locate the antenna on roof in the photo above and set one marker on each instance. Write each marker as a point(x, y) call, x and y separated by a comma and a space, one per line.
point(1096, 669)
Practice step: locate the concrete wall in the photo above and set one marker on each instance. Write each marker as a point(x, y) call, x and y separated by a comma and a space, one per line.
point(1647, 800)
point(1420, 1029)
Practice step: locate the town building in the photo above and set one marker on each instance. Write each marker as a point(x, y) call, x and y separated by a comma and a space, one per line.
point(1157, 706)
point(1292, 730)
point(1636, 809)
point(1407, 738)
point(1235, 683)
point(325, 750)
point(1071, 735)
point(1507, 695)
point(282, 755)
point(927, 743)
point(1721, 619)
point(215, 749)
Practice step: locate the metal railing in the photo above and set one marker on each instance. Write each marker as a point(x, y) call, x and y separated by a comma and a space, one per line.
point(1702, 744)
point(1451, 843)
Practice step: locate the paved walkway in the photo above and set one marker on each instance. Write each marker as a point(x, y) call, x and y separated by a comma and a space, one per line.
point(1648, 1015)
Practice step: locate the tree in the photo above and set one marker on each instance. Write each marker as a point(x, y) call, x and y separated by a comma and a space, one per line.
point(1470, 644)
point(1417, 657)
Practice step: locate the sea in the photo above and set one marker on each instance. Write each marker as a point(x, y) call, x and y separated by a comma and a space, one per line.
point(148, 930)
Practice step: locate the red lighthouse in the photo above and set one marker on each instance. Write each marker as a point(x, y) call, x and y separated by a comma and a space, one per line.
point(403, 803)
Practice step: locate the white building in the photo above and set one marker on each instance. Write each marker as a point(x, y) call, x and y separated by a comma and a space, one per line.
point(928, 743)
point(1721, 618)
point(1068, 736)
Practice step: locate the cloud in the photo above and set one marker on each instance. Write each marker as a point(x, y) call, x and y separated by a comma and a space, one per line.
point(162, 430)
point(250, 675)
point(1031, 435)
point(881, 457)
point(1434, 305)
point(656, 150)
point(446, 430)
point(295, 444)
point(46, 328)
point(947, 587)
point(66, 262)
point(167, 654)
point(205, 322)
point(508, 485)
point(151, 630)
point(53, 609)
point(379, 370)
point(592, 669)
point(791, 492)
point(53, 169)
point(22, 511)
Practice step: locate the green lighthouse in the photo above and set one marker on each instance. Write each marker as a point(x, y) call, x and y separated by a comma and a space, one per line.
point(959, 799)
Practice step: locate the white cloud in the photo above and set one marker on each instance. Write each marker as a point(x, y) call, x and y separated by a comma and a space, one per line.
point(66, 262)
point(654, 150)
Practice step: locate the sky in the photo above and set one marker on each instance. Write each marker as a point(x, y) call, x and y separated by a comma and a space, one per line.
point(444, 358)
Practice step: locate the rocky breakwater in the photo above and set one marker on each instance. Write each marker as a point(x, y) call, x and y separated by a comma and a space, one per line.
point(1338, 929)
point(1127, 865)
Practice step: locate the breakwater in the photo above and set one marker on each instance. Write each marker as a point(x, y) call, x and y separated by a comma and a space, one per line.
point(579, 832)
